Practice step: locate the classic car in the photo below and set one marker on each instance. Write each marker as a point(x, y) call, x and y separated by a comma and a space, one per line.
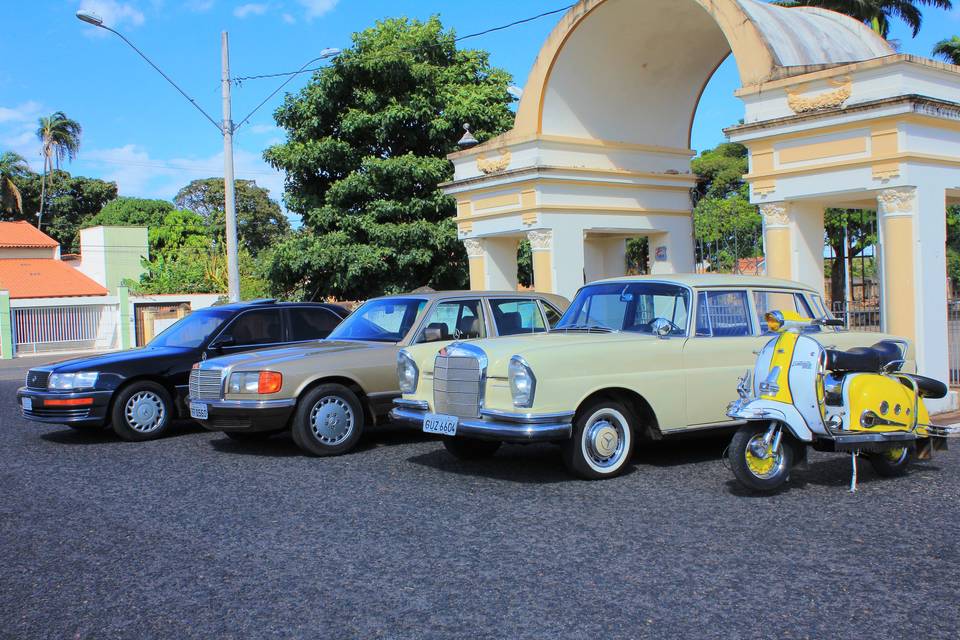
point(633, 358)
point(327, 392)
point(139, 391)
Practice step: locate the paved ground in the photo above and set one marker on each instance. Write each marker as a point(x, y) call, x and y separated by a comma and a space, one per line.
point(196, 536)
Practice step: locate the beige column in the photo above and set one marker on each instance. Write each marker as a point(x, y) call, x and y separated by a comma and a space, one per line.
point(493, 263)
point(895, 213)
point(477, 258)
point(793, 241)
point(776, 240)
point(541, 246)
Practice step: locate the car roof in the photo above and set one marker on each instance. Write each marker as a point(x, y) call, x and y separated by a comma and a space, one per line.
point(436, 295)
point(265, 303)
point(714, 280)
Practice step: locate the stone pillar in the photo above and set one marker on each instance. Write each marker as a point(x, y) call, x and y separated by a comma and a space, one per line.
point(672, 252)
point(476, 258)
point(776, 240)
point(793, 241)
point(493, 263)
point(914, 273)
point(6, 327)
point(541, 247)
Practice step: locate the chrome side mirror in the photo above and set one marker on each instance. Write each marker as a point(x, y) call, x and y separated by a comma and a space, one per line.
point(661, 327)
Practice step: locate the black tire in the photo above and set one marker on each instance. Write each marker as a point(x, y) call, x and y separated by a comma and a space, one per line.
point(604, 427)
point(471, 448)
point(752, 477)
point(141, 411)
point(893, 463)
point(339, 431)
point(249, 436)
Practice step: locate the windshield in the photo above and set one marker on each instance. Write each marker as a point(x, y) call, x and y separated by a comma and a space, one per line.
point(387, 320)
point(190, 332)
point(618, 306)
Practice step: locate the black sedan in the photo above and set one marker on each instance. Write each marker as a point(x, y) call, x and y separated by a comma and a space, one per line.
point(138, 392)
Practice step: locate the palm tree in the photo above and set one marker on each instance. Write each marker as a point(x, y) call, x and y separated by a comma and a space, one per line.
point(12, 165)
point(876, 13)
point(949, 50)
point(60, 140)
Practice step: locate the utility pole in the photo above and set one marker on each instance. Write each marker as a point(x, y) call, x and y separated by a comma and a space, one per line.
point(229, 201)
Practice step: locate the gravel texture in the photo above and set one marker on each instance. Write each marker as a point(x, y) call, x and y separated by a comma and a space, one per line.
point(198, 536)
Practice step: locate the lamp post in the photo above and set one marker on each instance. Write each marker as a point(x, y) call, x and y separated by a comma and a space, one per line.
point(226, 129)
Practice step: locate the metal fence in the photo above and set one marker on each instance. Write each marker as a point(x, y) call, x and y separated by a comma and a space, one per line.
point(64, 328)
point(953, 340)
point(857, 315)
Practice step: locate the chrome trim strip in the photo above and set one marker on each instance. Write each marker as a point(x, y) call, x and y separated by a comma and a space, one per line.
point(489, 430)
point(422, 405)
point(247, 404)
point(528, 418)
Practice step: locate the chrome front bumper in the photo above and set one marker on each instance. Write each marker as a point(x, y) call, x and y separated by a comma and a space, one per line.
point(494, 425)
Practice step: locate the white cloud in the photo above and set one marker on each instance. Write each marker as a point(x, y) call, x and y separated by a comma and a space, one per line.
point(289, 19)
point(261, 129)
point(27, 111)
point(250, 9)
point(18, 131)
point(317, 8)
point(114, 14)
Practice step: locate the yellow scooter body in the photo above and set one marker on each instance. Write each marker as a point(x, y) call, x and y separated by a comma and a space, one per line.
point(881, 403)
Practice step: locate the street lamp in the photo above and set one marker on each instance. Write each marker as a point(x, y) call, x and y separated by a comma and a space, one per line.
point(226, 129)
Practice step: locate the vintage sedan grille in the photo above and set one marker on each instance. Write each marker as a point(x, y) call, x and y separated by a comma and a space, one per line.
point(205, 384)
point(457, 386)
point(37, 379)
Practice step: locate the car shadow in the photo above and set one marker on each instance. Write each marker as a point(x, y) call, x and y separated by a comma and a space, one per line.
point(276, 446)
point(525, 464)
point(106, 434)
point(676, 451)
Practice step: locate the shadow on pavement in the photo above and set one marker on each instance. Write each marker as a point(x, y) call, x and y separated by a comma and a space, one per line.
point(276, 446)
point(95, 435)
point(680, 451)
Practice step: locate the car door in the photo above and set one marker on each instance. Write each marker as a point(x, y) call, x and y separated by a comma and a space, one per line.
point(256, 329)
point(721, 349)
point(448, 320)
point(310, 323)
point(514, 316)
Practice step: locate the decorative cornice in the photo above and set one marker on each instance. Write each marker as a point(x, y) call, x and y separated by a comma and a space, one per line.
point(540, 239)
point(474, 248)
point(828, 100)
point(495, 165)
point(774, 214)
point(899, 201)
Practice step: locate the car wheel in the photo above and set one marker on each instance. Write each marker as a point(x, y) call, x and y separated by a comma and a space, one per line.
point(602, 441)
point(141, 411)
point(329, 420)
point(892, 463)
point(471, 448)
point(757, 465)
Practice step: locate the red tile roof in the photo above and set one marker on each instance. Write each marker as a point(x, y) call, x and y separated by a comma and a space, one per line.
point(45, 278)
point(22, 234)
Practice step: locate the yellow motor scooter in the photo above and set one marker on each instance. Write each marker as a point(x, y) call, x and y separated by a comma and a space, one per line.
point(855, 401)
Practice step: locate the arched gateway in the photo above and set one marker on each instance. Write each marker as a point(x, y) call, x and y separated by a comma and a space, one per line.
point(600, 150)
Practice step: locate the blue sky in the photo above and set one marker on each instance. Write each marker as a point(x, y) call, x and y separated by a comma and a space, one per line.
point(138, 131)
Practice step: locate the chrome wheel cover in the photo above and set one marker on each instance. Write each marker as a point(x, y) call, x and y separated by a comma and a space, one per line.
point(762, 461)
point(145, 412)
point(605, 440)
point(331, 420)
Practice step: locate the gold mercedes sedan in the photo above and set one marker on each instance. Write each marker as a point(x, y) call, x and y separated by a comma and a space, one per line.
point(328, 391)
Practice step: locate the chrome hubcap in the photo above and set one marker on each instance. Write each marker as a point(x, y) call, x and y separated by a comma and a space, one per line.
point(605, 440)
point(145, 412)
point(762, 460)
point(331, 420)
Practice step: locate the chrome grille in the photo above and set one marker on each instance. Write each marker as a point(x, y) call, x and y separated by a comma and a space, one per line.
point(37, 379)
point(205, 384)
point(457, 386)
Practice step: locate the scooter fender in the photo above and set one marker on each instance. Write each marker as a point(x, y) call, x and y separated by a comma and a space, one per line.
point(760, 409)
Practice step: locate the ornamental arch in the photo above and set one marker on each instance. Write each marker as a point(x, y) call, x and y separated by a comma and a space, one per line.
point(600, 150)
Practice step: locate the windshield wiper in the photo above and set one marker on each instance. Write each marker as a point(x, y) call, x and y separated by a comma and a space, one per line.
point(589, 328)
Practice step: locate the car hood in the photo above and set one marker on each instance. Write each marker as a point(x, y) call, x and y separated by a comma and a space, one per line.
point(267, 358)
point(108, 361)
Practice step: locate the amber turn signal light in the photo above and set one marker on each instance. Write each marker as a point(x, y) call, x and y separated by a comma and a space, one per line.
point(68, 402)
point(270, 382)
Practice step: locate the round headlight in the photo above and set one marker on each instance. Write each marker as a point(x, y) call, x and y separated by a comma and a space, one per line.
point(774, 320)
point(407, 372)
point(523, 384)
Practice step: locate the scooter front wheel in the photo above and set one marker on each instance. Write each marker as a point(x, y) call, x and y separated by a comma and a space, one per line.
point(757, 464)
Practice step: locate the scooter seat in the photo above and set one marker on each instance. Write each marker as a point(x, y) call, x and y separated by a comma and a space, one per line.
point(927, 387)
point(867, 359)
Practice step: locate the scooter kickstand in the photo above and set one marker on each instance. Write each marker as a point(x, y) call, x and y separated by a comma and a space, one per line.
point(853, 477)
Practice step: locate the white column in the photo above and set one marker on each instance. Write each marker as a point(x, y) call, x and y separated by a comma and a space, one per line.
point(806, 243)
point(493, 263)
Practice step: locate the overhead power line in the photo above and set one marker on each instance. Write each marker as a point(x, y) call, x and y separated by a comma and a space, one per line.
point(515, 23)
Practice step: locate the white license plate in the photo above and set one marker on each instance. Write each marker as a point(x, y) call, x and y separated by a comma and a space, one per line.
point(444, 425)
point(27, 404)
point(198, 411)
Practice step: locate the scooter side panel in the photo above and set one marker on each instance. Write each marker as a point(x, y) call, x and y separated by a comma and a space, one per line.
point(885, 397)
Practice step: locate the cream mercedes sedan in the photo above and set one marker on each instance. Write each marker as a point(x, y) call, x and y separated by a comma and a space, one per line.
point(633, 358)
point(328, 391)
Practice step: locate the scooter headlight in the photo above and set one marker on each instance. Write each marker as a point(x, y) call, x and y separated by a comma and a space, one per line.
point(775, 320)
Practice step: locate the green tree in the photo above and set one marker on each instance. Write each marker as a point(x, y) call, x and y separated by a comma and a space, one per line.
point(59, 140)
point(877, 13)
point(365, 151)
point(170, 230)
point(948, 49)
point(13, 167)
point(260, 221)
point(200, 272)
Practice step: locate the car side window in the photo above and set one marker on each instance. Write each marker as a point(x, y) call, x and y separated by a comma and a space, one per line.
point(308, 323)
point(766, 301)
point(256, 327)
point(517, 316)
point(553, 314)
point(723, 314)
point(454, 320)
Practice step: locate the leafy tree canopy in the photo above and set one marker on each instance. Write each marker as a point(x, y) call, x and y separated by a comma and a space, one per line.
point(260, 221)
point(365, 151)
point(171, 231)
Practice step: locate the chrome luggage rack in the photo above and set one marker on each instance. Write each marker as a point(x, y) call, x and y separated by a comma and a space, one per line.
point(943, 431)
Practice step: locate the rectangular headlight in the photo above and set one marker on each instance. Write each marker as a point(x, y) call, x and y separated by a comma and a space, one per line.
point(261, 382)
point(67, 381)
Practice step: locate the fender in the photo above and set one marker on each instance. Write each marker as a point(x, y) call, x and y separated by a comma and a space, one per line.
point(759, 409)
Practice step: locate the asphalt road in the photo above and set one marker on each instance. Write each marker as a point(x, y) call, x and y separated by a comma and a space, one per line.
point(196, 536)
